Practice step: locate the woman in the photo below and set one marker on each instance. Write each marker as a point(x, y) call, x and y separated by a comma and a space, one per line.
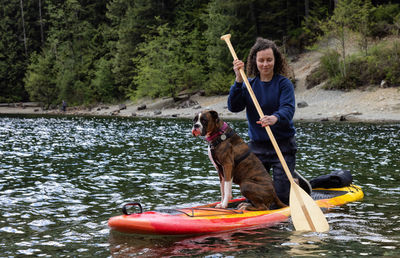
point(275, 94)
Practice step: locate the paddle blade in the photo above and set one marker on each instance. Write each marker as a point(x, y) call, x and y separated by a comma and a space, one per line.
point(306, 215)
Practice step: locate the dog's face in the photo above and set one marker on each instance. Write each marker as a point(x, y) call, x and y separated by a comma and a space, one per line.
point(205, 122)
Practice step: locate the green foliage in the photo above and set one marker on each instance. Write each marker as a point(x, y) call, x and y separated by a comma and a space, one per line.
point(383, 17)
point(218, 84)
point(223, 18)
point(385, 60)
point(340, 24)
point(104, 82)
point(329, 68)
point(311, 25)
point(168, 65)
point(382, 63)
point(330, 63)
point(105, 50)
point(132, 21)
point(364, 23)
point(77, 44)
point(351, 80)
point(40, 80)
point(13, 61)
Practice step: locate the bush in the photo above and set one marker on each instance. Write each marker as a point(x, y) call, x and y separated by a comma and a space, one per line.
point(219, 84)
point(383, 16)
point(383, 63)
point(329, 68)
point(317, 76)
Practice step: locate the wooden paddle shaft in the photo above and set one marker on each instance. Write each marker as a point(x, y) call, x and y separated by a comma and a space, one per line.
point(226, 38)
point(259, 110)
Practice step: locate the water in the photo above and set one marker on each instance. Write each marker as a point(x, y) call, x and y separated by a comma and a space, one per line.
point(62, 178)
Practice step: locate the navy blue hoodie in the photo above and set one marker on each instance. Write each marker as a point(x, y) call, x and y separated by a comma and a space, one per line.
point(275, 97)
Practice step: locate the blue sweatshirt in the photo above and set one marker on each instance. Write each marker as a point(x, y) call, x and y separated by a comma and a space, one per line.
point(275, 97)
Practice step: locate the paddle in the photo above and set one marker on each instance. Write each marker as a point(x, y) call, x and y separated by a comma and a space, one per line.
point(306, 215)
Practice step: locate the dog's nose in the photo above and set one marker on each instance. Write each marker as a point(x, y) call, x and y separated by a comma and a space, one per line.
point(196, 126)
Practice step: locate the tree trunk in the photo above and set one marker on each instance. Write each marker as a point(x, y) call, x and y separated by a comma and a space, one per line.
point(254, 17)
point(23, 27)
point(343, 41)
point(335, 3)
point(41, 21)
point(306, 8)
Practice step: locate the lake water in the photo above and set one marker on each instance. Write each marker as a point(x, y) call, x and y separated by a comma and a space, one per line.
point(62, 178)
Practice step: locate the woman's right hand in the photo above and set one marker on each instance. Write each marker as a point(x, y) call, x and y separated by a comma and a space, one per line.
point(237, 65)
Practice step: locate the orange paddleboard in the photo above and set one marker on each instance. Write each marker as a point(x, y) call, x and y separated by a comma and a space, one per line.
point(207, 219)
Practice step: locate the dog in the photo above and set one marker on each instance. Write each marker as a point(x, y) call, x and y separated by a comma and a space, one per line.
point(234, 161)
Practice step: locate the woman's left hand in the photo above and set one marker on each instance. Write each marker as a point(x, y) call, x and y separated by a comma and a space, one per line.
point(267, 121)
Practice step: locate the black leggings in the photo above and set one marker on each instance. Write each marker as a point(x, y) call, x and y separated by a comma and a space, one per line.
point(266, 153)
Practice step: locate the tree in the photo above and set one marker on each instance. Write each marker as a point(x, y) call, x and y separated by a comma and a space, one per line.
point(131, 21)
point(77, 38)
point(223, 17)
point(23, 27)
point(168, 65)
point(311, 25)
point(40, 81)
point(15, 49)
point(363, 23)
point(41, 22)
point(339, 25)
point(104, 82)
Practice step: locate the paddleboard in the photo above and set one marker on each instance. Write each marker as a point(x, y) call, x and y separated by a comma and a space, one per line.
point(208, 219)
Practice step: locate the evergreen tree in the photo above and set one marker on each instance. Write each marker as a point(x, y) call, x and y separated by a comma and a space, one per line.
point(41, 82)
point(131, 21)
point(16, 46)
point(168, 64)
point(222, 18)
point(76, 38)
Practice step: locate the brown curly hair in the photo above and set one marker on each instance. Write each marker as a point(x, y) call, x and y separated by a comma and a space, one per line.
point(280, 67)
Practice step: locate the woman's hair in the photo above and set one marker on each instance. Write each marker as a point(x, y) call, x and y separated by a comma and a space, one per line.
point(280, 66)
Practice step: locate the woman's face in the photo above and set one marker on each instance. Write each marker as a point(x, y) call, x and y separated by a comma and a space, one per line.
point(265, 64)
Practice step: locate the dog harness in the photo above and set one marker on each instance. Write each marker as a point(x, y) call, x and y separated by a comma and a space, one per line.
point(217, 138)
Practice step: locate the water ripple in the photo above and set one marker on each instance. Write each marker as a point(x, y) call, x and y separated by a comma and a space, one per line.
point(62, 178)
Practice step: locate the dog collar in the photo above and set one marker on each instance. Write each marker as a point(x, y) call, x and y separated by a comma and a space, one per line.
point(217, 134)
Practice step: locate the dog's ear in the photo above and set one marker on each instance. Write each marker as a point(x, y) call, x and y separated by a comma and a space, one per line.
point(214, 115)
point(195, 117)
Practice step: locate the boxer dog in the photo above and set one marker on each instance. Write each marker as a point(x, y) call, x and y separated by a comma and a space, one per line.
point(234, 161)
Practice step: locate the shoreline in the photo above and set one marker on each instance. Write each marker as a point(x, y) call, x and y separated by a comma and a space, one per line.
point(370, 104)
point(374, 105)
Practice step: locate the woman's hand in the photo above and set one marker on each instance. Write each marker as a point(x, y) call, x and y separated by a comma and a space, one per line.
point(237, 65)
point(267, 121)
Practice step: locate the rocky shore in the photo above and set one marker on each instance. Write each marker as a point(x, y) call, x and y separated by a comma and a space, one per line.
point(375, 105)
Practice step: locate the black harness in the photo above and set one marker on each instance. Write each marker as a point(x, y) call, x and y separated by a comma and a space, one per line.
point(219, 140)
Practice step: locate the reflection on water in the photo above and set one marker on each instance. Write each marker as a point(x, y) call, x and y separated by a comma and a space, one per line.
point(250, 241)
point(61, 179)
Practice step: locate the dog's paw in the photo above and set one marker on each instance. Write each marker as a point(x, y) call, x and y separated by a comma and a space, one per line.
point(243, 206)
point(221, 206)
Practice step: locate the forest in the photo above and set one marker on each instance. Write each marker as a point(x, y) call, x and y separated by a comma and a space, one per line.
point(105, 51)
